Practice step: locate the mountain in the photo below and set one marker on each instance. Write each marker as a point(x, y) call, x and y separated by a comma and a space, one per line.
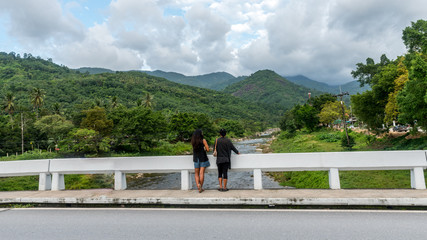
point(215, 81)
point(267, 87)
point(350, 87)
point(94, 70)
point(74, 90)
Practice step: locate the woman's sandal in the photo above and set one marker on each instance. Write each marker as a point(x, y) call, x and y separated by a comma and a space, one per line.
point(200, 188)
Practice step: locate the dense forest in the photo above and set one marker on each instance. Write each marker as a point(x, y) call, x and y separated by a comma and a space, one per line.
point(399, 86)
point(120, 111)
point(397, 95)
point(267, 87)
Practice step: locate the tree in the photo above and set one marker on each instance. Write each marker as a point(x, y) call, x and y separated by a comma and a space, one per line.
point(142, 126)
point(233, 127)
point(306, 116)
point(391, 108)
point(96, 119)
point(9, 104)
point(114, 102)
point(415, 37)
point(411, 100)
point(331, 111)
point(318, 101)
point(366, 72)
point(367, 109)
point(88, 141)
point(37, 99)
point(148, 101)
point(183, 125)
point(287, 123)
point(55, 127)
point(57, 108)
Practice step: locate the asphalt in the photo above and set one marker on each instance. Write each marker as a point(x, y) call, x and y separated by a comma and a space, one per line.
point(279, 197)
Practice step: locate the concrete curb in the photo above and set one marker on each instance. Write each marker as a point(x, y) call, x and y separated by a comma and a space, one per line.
point(227, 201)
point(303, 197)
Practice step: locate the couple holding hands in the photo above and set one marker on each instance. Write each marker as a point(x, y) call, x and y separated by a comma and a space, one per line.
point(222, 150)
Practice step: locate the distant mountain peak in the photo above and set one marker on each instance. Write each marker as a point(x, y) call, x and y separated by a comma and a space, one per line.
point(269, 88)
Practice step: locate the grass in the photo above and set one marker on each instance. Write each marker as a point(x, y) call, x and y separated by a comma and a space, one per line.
point(329, 141)
point(321, 141)
point(82, 181)
point(32, 155)
point(386, 179)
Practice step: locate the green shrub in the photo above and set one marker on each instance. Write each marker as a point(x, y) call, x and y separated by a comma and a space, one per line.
point(347, 145)
point(328, 137)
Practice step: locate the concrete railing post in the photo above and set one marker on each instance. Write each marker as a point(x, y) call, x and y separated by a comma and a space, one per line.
point(119, 180)
point(45, 181)
point(417, 178)
point(334, 179)
point(185, 180)
point(257, 179)
point(58, 182)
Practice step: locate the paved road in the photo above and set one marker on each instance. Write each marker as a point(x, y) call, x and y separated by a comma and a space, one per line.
point(210, 224)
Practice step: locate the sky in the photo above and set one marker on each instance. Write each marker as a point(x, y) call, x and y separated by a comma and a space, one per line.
point(321, 39)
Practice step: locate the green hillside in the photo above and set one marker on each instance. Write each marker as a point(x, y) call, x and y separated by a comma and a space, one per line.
point(267, 87)
point(94, 70)
point(215, 81)
point(352, 87)
point(74, 90)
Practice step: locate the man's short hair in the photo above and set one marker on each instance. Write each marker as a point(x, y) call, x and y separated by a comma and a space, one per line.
point(222, 132)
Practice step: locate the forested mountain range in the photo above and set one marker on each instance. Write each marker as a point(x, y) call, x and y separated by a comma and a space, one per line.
point(215, 81)
point(92, 70)
point(220, 80)
point(267, 87)
point(74, 90)
point(352, 87)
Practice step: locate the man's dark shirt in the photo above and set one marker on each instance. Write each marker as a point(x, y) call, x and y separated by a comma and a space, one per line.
point(223, 149)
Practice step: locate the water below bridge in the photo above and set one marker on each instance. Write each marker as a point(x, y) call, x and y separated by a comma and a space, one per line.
point(236, 180)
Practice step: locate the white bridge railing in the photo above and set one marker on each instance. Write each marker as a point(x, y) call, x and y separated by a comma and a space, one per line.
point(51, 171)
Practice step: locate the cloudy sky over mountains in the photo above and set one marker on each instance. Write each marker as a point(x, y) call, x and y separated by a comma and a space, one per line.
point(321, 39)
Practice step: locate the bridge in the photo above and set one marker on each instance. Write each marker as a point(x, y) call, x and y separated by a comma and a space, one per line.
point(51, 176)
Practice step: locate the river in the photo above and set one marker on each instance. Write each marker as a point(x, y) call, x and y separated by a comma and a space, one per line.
point(236, 180)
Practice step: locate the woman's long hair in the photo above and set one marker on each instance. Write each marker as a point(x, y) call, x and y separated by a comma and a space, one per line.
point(197, 138)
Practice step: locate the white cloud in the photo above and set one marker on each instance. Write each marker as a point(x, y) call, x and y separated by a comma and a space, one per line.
point(38, 23)
point(322, 39)
point(98, 50)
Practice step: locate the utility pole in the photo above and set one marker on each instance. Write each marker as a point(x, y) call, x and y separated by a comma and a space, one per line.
point(343, 114)
point(22, 133)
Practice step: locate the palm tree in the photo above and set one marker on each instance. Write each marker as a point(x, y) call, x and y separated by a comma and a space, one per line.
point(57, 108)
point(9, 105)
point(37, 98)
point(139, 102)
point(148, 101)
point(98, 102)
point(114, 102)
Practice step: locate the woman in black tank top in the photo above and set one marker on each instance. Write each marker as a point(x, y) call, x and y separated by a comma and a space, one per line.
point(200, 158)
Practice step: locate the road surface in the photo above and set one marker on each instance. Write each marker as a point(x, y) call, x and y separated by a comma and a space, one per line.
point(210, 224)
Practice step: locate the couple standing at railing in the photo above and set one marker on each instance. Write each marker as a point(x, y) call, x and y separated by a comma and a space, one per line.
point(222, 152)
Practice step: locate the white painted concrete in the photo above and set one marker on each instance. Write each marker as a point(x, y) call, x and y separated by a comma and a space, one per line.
point(334, 179)
point(24, 168)
point(257, 179)
point(333, 162)
point(45, 182)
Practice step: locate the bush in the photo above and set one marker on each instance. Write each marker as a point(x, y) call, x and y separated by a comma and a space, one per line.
point(347, 145)
point(328, 137)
